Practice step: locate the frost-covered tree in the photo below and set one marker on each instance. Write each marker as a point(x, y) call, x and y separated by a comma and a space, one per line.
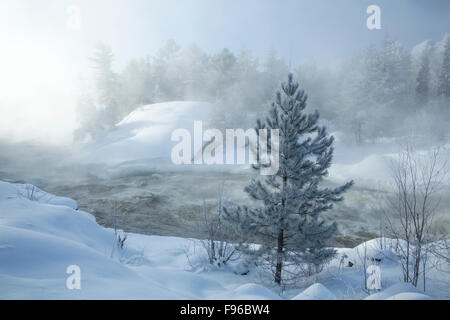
point(423, 80)
point(444, 76)
point(221, 74)
point(288, 224)
point(108, 85)
point(106, 77)
point(233, 81)
point(275, 69)
point(192, 67)
point(138, 83)
point(166, 72)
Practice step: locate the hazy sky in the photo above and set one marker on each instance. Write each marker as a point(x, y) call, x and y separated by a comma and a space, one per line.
point(40, 56)
point(303, 30)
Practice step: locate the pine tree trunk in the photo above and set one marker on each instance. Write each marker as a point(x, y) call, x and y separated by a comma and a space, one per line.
point(280, 241)
point(279, 265)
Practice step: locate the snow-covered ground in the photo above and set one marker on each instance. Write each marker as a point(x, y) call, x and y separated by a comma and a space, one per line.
point(41, 235)
point(145, 133)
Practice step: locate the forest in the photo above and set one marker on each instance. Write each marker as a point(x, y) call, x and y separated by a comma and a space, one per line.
point(389, 90)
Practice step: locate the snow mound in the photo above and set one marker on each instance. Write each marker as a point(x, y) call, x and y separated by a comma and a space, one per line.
point(374, 167)
point(40, 240)
point(146, 132)
point(372, 250)
point(252, 291)
point(399, 291)
point(315, 292)
point(409, 296)
point(33, 193)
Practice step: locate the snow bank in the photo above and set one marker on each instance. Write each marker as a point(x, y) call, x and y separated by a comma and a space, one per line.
point(399, 291)
point(316, 291)
point(409, 296)
point(374, 167)
point(33, 193)
point(146, 132)
point(253, 291)
point(40, 240)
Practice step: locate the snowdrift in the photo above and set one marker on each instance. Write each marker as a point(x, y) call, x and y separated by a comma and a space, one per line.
point(399, 291)
point(39, 239)
point(146, 133)
point(41, 235)
point(315, 292)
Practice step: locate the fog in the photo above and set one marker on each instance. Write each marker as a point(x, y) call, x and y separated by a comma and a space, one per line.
point(126, 128)
point(70, 71)
point(43, 59)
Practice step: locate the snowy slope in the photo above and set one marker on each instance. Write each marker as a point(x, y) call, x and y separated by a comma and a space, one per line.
point(39, 240)
point(399, 291)
point(316, 291)
point(146, 132)
point(41, 235)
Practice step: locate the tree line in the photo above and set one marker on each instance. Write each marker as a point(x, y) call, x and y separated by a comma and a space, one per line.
point(380, 91)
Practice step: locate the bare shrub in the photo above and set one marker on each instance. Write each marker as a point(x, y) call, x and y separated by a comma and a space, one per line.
point(418, 179)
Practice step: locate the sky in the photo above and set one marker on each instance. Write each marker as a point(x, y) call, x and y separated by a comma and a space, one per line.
point(42, 55)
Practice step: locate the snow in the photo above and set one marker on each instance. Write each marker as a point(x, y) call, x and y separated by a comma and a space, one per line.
point(38, 241)
point(40, 238)
point(142, 140)
point(374, 167)
point(399, 291)
point(369, 165)
point(146, 133)
point(409, 296)
point(35, 194)
point(315, 292)
point(253, 291)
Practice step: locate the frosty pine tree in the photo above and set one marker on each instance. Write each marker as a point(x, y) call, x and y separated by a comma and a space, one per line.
point(288, 227)
point(444, 76)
